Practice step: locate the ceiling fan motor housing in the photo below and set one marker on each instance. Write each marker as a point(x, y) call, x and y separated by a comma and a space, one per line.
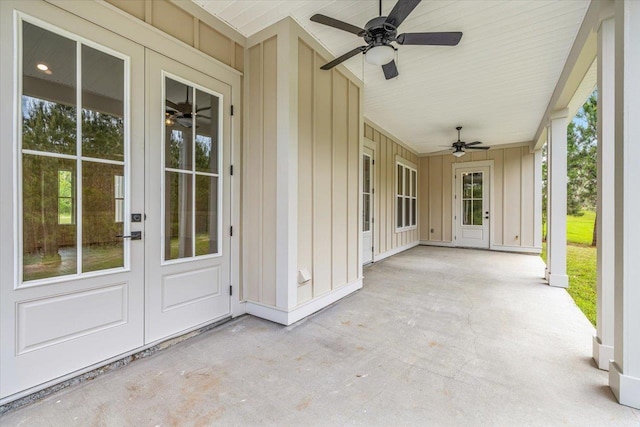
point(378, 32)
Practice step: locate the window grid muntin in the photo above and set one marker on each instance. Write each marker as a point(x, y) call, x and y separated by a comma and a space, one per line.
point(77, 211)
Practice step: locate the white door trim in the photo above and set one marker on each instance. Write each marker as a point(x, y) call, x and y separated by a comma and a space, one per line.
point(471, 165)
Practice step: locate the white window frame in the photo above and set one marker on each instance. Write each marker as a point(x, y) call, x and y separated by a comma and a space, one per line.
point(406, 195)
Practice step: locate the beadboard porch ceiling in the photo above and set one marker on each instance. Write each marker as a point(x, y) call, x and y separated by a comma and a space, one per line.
point(496, 83)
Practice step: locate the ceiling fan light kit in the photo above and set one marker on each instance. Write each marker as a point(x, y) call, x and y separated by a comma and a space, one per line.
point(459, 153)
point(380, 32)
point(380, 55)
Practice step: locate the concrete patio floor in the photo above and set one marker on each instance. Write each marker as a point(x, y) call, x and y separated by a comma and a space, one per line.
point(437, 336)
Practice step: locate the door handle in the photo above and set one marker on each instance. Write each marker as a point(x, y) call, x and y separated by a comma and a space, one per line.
point(135, 235)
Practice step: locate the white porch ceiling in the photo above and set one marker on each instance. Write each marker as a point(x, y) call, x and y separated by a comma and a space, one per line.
point(496, 83)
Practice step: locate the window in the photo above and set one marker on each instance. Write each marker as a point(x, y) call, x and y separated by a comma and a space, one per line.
point(366, 193)
point(472, 195)
point(406, 197)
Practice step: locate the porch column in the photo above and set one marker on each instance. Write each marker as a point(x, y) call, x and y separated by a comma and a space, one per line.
point(605, 226)
point(624, 370)
point(557, 200)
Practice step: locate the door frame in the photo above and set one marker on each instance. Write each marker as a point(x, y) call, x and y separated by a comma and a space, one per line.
point(471, 165)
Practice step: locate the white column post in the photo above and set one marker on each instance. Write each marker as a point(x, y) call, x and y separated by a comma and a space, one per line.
point(605, 227)
point(557, 200)
point(624, 370)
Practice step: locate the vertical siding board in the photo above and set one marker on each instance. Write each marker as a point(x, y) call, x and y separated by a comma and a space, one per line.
point(354, 210)
point(391, 191)
point(305, 164)
point(511, 207)
point(323, 183)
point(423, 199)
point(527, 194)
point(498, 167)
point(253, 199)
point(447, 198)
point(340, 179)
point(270, 139)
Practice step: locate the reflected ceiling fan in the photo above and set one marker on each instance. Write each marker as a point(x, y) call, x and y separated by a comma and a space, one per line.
point(459, 147)
point(380, 32)
point(182, 112)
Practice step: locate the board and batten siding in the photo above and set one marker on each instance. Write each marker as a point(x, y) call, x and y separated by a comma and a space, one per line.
point(386, 151)
point(516, 188)
point(190, 24)
point(328, 170)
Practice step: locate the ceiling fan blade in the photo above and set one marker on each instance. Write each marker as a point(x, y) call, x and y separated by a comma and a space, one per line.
point(390, 70)
point(473, 143)
point(430, 39)
point(203, 109)
point(340, 59)
point(336, 23)
point(477, 148)
point(171, 105)
point(400, 11)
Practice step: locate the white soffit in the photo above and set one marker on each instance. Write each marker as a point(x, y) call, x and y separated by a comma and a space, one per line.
point(496, 83)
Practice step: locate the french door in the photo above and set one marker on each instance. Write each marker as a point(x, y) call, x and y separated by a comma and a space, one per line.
point(189, 195)
point(73, 290)
point(472, 207)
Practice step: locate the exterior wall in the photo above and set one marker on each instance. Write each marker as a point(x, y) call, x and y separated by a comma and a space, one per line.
point(387, 149)
point(328, 164)
point(516, 220)
point(189, 23)
point(301, 240)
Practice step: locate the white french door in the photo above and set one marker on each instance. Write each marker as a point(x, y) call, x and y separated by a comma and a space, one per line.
point(367, 205)
point(72, 284)
point(471, 216)
point(188, 198)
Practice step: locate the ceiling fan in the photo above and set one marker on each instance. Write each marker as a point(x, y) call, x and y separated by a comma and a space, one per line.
point(380, 32)
point(458, 147)
point(182, 112)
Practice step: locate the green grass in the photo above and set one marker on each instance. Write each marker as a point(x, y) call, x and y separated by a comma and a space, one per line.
point(581, 263)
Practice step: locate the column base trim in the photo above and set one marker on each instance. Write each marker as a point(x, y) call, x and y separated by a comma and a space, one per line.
point(602, 354)
point(558, 280)
point(286, 318)
point(625, 387)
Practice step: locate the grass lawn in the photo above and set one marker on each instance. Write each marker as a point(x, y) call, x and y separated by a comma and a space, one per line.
point(581, 263)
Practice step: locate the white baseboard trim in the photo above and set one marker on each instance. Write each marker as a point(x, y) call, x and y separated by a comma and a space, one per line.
point(625, 387)
point(519, 249)
point(436, 243)
point(395, 251)
point(602, 354)
point(286, 318)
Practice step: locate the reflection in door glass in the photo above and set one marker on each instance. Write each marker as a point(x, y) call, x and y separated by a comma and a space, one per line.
point(178, 125)
point(206, 215)
point(207, 113)
point(101, 247)
point(178, 213)
point(472, 198)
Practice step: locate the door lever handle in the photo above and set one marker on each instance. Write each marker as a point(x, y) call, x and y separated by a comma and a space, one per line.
point(135, 235)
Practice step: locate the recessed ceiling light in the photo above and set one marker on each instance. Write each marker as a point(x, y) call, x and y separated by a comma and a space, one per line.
point(42, 67)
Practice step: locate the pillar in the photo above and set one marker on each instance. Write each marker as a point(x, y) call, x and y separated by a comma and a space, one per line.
point(624, 370)
point(557, 200)
point(605, 229)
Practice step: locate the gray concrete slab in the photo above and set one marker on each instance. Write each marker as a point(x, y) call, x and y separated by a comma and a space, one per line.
point(437, 336)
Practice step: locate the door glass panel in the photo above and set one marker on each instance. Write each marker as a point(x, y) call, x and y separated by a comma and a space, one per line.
point(48, 220)
point(366, 212)
point(191, 196)
point(60, 237)
point(207, 135)
point(366, 178)
point(178, 125)
point(477, 212)
point(178, 215)
point(413, 212)
point(467, 184)
point(101, 247)
point(414, 183)
point(206, 215)
point(400, 217)
point(102, 105)
point(467, 212)
point(477, 185)
point(400, 175)
point(407, 180)
point(48, 91)
point(407, 212)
